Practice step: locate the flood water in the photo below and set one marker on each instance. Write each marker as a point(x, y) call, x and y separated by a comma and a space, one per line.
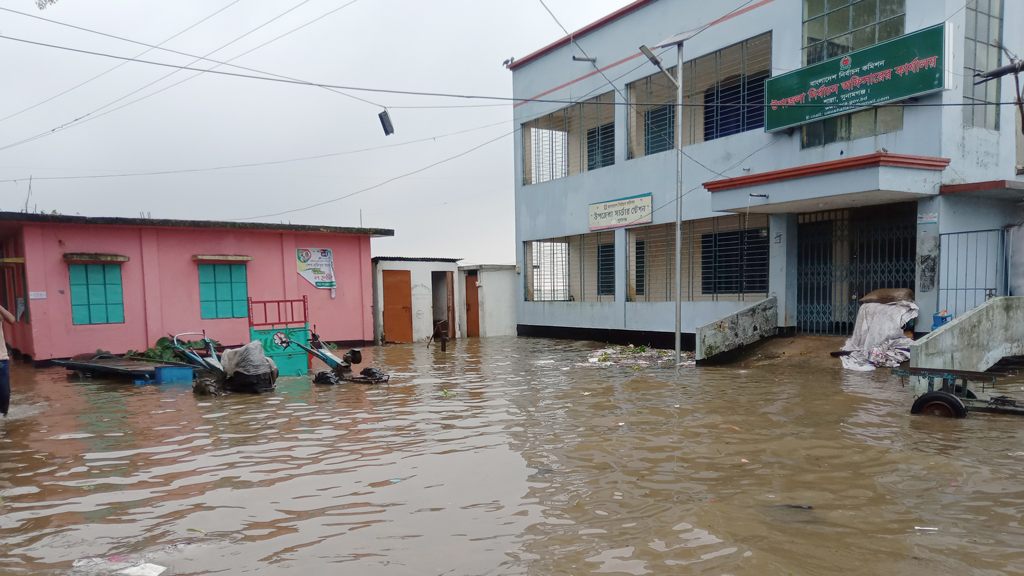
point(503, 456)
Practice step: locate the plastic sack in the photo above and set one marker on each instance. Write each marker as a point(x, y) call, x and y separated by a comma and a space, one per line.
point(248, 359)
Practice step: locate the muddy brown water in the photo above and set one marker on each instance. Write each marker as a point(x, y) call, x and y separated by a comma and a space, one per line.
point(529, 464)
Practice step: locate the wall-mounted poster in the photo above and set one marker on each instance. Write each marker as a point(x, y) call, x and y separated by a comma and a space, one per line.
point(316, 265)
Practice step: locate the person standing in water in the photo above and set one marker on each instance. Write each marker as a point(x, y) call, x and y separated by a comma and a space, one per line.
point(5, 365)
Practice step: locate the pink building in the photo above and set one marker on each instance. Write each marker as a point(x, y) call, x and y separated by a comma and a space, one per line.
point(77, 284)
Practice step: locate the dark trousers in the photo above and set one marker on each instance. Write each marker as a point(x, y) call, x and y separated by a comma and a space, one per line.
point(5, 386)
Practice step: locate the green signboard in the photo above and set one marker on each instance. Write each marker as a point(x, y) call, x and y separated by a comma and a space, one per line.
point(893, 70)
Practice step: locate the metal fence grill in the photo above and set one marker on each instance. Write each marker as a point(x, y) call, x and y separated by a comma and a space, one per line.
point(724, 258)
point(574, 139)
point(723, 92)
point(579, 268)
point(973, 267)
point(843, 255)
point(547, 270)
point(650, 123)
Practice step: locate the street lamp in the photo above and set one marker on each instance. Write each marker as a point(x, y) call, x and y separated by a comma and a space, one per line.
point(678, 81)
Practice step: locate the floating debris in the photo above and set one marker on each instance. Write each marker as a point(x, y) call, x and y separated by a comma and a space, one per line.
point(636, 357)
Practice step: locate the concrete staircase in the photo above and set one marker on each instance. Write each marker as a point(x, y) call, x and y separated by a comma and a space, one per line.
point(732, 332)
point(976, 340)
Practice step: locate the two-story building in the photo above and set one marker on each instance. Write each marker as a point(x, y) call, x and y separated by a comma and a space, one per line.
point(828, 148)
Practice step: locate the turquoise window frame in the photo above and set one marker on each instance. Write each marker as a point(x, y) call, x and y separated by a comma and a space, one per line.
point(223, 291)
point(97, 295)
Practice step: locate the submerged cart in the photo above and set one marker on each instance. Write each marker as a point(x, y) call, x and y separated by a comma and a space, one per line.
point(340, 368)
point(259, 376)
point(955, 400)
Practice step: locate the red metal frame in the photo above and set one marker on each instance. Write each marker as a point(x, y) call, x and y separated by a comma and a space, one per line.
point(286, 306)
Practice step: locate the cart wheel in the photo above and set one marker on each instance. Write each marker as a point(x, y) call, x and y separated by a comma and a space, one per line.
point(942, 404)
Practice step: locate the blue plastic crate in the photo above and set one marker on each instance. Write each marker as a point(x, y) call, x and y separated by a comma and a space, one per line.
point(173, 374)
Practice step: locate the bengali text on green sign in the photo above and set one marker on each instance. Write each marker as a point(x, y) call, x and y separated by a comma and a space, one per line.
point(911, 65)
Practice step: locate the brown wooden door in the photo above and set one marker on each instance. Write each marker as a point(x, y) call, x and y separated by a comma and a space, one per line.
point(450, 286)
point(397, 305)
point(472, 307)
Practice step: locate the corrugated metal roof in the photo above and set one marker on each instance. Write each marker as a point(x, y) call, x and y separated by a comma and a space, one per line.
point(410, 259)
point(110, 221)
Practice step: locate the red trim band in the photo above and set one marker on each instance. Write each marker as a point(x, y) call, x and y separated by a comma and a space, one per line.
point(866, 161)
point(599, 24)
point(981, 186)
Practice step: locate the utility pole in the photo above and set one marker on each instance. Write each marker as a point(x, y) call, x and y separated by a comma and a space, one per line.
point(1015, 67)
point(678, 142)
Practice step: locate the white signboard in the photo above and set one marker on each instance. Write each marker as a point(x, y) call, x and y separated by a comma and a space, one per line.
point(316, 265)
point(621, 212)
point(37, 295)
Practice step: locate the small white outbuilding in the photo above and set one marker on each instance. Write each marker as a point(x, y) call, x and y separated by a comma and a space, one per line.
point(488, 297)
point(411, 295)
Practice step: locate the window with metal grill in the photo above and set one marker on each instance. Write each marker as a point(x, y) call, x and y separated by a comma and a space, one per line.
point(724, 258)
point(723, 94)
point(579, 268)
point(600, 146)
point(833, 28)
point(734, 262)
point(575, 139)
point(606, 269)
point(983, 34)
point(640, 267)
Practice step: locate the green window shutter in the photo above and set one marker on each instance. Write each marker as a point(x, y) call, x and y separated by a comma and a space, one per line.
point(223, 291)
point(207, 292)
point(206, 273)
point(96, 293)
point(79, 296)
point(224, 309)
point(80, 314)
point(112, 273)
point(97, 314)
point(94, 273)
point(115, 313)
point(208, 309)
point(77, 274)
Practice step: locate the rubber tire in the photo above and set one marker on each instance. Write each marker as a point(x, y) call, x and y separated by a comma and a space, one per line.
point(942, 404)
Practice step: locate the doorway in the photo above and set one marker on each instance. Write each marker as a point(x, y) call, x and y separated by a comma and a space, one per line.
point(397, 305)
point(443, 299)
point(844, 254)
point(472, 305)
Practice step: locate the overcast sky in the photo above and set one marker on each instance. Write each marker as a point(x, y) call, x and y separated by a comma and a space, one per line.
point(462, 208)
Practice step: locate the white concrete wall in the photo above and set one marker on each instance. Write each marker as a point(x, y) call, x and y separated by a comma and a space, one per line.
point(422, 295)
point(497, 294)
point(976, 340)
point(560, 207)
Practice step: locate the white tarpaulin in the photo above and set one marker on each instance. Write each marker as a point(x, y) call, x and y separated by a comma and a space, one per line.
point(316, 265)
point(248, 359)
point(878, 338)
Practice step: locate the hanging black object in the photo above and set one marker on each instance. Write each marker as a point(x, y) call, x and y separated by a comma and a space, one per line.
point(385, 122)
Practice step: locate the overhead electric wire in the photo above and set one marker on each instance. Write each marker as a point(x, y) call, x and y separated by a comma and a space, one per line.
point(625, 97)
point(86, 118)
point(151, 48)
point(451, 95)
point(158, 47)
point(254, 164)
point(388, 181)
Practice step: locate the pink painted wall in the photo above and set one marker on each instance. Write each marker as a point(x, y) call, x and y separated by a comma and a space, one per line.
point(161, 284)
